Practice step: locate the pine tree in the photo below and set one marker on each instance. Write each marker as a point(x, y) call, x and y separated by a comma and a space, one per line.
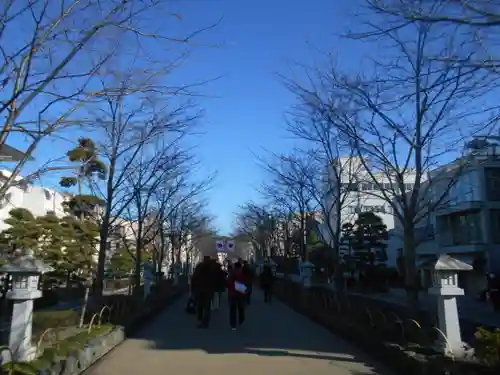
point(123, 261)
point(370, 234)
point(88, 167)
point(23, 232)
point(50, 245)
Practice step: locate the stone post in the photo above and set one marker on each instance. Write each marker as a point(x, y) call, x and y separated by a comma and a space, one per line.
point(445, 288)
point(148, 278)
point(306, 272)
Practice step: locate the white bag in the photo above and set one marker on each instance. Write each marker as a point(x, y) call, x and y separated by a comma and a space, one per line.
point(239, 287)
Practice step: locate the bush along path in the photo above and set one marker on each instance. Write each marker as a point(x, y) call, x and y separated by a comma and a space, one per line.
point(65, 349)
point(401, 343)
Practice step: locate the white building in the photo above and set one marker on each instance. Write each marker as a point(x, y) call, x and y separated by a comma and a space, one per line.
point(359, 192)
point(38, 200)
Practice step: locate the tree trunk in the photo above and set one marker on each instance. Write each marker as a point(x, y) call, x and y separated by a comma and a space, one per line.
point(84, 306)
point(138, 265)
point(101, 260)
point(411, 273)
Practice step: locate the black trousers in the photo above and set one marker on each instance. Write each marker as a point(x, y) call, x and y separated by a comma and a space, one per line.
point(237, 306)
point(495, 300)
point(268, 293)
point(203, 308)
point(249, 293)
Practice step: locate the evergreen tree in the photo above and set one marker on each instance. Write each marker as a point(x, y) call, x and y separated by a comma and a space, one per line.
point(88, 166)
point(123, 262)
point(50, 244)
point(347, 231)
point(23, 232)
point(80, 239)
point(370, 234)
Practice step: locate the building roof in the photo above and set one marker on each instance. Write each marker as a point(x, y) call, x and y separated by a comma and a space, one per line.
point(446, 263)
point(9, 153)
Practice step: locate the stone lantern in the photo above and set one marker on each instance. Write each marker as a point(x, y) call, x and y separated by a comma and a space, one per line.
point(306, 273)
point(149, 277)
point(26, 271)
point(445, 287)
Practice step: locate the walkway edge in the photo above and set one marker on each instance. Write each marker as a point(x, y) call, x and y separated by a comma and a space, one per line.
point(126, 332)
point(393, 356)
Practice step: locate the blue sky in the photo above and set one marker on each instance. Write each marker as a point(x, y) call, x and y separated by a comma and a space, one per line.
point(244, 109)
point(258, 40)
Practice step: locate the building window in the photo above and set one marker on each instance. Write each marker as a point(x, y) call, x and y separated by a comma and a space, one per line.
point(367, 187)
point(409, 187)
point(351, 209)
point(495, 225)
point(351, 186)
point(375, 209)
point(492, 181)
point(466, 228)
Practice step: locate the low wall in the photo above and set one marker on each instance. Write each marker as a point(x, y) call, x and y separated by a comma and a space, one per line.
point(126, 312)
point(400, 342)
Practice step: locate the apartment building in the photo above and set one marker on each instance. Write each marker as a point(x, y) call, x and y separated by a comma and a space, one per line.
point(359, 192)
point(37, 199)
point(465, 217)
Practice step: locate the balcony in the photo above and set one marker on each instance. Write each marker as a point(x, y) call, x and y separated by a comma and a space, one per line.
point(453, 208)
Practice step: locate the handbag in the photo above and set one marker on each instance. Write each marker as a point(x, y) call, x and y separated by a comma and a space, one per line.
point(239, 287)
point(191, 306)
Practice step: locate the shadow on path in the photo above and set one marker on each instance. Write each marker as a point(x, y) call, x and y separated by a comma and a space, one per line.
point(273, 339)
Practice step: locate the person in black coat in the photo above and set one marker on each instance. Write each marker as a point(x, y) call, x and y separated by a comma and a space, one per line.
point(220, 284)
point(203, 286)
point(266, 282)
point(249, 275)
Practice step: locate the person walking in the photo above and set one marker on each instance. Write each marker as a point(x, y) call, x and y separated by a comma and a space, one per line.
point(266, 282)
point(236, 289)
point(249, 276)
point(220, 285)
point(202, 290)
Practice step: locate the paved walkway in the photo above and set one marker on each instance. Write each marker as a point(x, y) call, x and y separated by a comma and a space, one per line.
point(274, 340)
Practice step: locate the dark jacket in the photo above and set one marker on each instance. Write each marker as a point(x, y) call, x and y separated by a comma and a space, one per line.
point(266, 276)
point(220, 278)
point(249, 274)
point(203, 280)
point(237, 275)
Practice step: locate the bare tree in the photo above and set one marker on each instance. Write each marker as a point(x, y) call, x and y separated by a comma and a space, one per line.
point(131, 122)
point(329, 177)
point(146, 179)
point(481, 13)
point(50, 71)
point(474, 24)
point(166, 204)
point(289, 187)
point(402, 121)
point(185, 221)
point(255, 222)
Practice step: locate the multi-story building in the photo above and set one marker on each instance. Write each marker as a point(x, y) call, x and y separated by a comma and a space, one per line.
point(360, 191)
point(464, 217)
point(38, 200)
